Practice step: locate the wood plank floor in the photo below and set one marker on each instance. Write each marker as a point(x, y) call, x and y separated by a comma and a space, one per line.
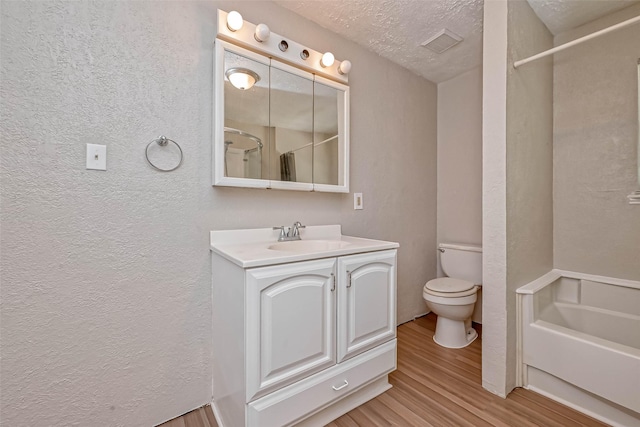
point(436, 386)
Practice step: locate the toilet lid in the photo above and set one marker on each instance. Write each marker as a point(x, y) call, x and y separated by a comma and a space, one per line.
point(449, 285)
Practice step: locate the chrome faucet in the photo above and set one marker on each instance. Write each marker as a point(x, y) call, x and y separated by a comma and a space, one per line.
point(291, 233)
point(295, 230)
point(283, 234)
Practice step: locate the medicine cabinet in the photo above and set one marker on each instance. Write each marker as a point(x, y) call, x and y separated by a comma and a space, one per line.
point(288, 130)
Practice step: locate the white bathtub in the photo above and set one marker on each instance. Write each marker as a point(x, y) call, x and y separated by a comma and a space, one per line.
point(579, 343)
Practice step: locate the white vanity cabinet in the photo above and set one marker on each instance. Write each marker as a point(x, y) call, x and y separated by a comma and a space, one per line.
point(366, 302)
point(290, 323)
point(301, 343)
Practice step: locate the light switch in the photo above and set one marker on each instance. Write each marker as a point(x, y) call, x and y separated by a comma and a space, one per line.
point(97, 157)
point(358, 203)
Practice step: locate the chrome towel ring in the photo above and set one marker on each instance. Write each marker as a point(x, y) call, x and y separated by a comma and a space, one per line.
point(163, 141)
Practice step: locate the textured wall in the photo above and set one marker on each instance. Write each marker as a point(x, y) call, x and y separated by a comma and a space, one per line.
point(595, 151)
point(460, 163)
point(105, 296)
point(460, 159)
point(494, 230)
point(517, 177)
point(529, 163)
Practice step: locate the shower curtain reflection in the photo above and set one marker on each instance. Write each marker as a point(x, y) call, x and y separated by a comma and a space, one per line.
point(288, 167)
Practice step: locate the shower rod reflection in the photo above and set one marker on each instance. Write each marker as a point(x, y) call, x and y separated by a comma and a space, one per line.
point(245, 134)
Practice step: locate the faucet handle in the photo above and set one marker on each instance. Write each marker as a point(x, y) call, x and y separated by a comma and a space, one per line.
point(296, 228)
point(283, 233)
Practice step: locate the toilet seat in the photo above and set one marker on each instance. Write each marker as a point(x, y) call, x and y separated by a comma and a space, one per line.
point(448, 285)
point(471, 291)
point(462, 298)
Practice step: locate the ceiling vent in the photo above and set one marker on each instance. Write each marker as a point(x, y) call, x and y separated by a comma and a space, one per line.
point(442, 41)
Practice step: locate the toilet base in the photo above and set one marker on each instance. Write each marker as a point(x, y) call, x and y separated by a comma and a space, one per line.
point(454, 333)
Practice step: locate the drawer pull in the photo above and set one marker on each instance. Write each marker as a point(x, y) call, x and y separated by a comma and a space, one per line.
point(341, 387)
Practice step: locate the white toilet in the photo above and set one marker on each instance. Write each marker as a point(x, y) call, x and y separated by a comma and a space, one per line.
point(453, 298)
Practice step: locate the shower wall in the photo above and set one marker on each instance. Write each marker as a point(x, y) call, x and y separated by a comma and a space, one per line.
point(529, 201)
point(595, 141)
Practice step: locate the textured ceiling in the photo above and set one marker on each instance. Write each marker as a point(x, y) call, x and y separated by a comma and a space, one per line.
point(560, 16)
point(395, 29)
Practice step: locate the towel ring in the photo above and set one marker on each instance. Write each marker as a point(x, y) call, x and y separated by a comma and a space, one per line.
point(163, 141)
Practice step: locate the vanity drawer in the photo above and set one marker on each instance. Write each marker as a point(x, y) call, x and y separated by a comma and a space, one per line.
point(290, 404)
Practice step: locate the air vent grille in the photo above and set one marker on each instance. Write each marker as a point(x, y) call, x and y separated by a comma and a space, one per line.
point(442, 41)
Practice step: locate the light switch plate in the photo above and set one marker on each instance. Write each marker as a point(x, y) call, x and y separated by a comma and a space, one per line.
point(97, 157)
point(358, 202)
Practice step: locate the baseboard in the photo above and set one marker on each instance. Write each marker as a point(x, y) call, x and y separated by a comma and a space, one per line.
point(216, 414)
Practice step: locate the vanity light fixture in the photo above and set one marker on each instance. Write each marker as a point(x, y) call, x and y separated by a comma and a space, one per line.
point(234, 21)
point(345, 67)
point(327, 59)
point(260, 38)
point(242, 78)
point(262, 32)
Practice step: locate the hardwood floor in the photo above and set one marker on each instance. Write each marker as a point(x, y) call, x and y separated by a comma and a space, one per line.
point(436, 386)
point(201, 417)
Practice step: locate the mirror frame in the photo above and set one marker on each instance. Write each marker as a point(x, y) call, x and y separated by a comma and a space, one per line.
point(634, 197)
point(218, 177)
point(343, 143)
point(638, 126)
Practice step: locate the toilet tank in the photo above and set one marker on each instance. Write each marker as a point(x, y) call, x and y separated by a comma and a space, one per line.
point(461, 261)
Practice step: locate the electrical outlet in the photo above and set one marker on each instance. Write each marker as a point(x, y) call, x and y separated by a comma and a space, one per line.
point(358, 202)
point(97, 157)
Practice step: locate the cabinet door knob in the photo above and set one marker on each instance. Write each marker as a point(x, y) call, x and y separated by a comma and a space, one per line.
point(348, 279)
point(333, 282)
point(341, 387)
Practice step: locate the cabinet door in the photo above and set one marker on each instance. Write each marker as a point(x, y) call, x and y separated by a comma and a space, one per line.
point(366, 302)
point(290, 313)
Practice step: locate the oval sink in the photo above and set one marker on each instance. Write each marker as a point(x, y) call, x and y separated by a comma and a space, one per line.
point(309, 245)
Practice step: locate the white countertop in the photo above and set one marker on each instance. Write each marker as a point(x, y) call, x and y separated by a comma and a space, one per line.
point(250, 248)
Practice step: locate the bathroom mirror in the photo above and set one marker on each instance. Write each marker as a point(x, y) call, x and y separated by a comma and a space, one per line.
point(291, 121)
point(277, 126)
point(246, 125)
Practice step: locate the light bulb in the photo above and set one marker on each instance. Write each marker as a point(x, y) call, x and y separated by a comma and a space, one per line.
point(327, 59)
point(262, 32)
point(242, 78)
point(234, 21)
point(345, 67)
point(242, 81)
